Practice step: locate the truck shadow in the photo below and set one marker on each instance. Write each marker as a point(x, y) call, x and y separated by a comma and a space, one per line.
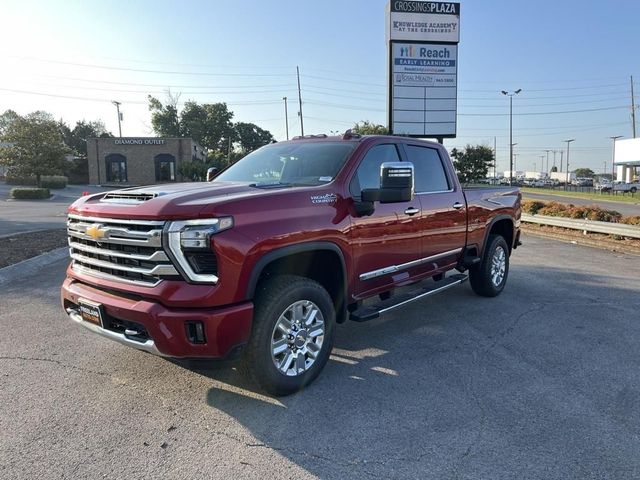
point(443, 379)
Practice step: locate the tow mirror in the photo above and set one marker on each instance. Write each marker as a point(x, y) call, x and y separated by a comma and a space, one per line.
point(211, 173)
point(396, 185)
point(396, 182)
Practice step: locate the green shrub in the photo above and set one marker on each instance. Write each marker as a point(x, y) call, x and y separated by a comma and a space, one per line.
point(29, 193)
point(48, 181)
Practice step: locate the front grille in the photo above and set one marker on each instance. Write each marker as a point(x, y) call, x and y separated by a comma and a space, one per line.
point(124, 250)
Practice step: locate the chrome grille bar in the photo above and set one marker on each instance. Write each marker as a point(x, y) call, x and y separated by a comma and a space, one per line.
point(128, 251)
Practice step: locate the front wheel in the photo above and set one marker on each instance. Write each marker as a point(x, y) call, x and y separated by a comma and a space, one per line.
point(292, 334)
point(489, 277)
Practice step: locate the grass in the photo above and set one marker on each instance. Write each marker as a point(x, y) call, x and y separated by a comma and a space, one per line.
point(604, 197)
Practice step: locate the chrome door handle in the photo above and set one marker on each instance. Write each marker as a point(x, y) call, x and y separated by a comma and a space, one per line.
point(412, 211)
point(458, 205)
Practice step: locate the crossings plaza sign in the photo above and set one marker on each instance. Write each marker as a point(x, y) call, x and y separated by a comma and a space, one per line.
point(422, 40)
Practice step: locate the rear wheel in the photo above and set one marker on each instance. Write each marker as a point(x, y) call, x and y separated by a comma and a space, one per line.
point(489, 277)
point(292, 334)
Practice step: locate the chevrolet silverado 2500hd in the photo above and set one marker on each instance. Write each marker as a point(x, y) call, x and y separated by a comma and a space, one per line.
point(267, 258)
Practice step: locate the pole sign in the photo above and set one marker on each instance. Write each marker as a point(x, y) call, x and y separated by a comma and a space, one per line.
point(422, 40)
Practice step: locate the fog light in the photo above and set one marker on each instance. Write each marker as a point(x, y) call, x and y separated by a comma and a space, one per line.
point(195, 332)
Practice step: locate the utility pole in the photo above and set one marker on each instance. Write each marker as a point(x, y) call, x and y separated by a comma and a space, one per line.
point(561, 154)
point(542, 161)
point(510, 95)
point(633, 110)
point(554, 157)
point(117, 104)
point(495, 159)
point(286, 116)
point(567, 175)
point(300, 103)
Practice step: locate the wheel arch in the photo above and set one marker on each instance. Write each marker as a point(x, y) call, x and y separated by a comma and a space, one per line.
point(501, 225)
point(320, 261)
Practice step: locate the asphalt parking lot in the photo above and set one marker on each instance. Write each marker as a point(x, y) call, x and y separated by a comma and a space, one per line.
point(540, 382)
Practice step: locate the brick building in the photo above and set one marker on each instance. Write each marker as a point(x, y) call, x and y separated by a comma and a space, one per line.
point(139, 160)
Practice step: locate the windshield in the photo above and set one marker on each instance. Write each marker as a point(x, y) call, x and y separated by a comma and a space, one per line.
point(301, 163)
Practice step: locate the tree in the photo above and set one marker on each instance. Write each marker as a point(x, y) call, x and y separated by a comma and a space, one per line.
point(584, 172)
point(164, 118)
point(76, 139)
point(37, 146)
point(554, 169)
point(472, 163)
point(251, 137)
point(208, 124)
point(6, 119)
point(367, 128)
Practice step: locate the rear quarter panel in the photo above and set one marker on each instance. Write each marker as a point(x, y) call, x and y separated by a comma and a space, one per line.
point(487, 205)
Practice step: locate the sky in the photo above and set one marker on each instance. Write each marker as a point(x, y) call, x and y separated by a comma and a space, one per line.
point(572, 59)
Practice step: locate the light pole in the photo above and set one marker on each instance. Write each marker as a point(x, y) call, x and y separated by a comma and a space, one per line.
point(286, 116)
point(513, 162)
point(510, 95)
point(613, 159)
point(541, 163)
point(117, 104)
point(547, 161)
point(567, 174)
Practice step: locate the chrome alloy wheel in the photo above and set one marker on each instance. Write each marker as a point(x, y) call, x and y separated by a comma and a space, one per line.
point(498, 266)
point(297, 338)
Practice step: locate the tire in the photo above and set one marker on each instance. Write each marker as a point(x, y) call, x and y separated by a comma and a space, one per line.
point(284, 356)
point(489, 277)
point(633, 190)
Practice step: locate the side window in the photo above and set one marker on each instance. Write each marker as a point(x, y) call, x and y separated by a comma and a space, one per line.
point(368, 173)
point(430, 175)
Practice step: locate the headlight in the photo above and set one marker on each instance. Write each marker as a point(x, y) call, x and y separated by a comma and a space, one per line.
point(190, 240)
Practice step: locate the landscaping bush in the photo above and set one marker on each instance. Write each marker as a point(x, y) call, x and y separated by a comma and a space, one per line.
point(48, 181)
point(532, 206)
point(590, 212)
point(29, 193)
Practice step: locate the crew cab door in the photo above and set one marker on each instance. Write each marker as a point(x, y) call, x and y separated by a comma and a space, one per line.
point(390, 236)
point(443, 219)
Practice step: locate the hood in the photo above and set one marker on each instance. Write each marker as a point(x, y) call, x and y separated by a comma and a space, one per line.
point(167, 201)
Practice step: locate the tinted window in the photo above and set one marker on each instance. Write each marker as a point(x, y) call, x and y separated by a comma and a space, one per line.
point(295, 163)
point(368, 174)
point(429, 171)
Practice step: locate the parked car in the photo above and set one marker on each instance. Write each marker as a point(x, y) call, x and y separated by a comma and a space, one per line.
point(267, 258)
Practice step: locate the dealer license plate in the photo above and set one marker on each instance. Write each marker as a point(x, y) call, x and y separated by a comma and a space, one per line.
point(90, 312)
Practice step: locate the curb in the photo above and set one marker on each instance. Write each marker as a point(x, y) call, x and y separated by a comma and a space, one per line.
point(31, 265)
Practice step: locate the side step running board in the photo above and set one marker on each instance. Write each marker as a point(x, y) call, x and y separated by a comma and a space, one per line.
point(370, 312)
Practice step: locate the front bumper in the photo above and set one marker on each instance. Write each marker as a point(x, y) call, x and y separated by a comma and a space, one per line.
point(165, 332)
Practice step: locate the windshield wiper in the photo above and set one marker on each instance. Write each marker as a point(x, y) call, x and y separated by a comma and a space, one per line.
point(270, 185)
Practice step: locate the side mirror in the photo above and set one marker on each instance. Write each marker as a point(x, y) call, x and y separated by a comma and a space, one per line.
point(211, 173)
point(396, 182)
point(396, 185)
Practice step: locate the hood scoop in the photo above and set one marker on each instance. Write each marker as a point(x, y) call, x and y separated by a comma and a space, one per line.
point(126, 197)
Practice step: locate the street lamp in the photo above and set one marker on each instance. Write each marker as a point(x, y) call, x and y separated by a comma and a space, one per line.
point(286, 116)
point(510, 95)
point(567, 174)
point(117, 104)
point(547, 161)
point(613, 158)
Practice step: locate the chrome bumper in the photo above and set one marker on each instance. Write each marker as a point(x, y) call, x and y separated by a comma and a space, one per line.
point(147, 346)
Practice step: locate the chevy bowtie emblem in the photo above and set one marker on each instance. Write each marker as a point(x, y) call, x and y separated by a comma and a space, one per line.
point(95, 232)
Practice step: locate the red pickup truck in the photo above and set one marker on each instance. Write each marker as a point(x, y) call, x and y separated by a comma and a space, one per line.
point(265, 260)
